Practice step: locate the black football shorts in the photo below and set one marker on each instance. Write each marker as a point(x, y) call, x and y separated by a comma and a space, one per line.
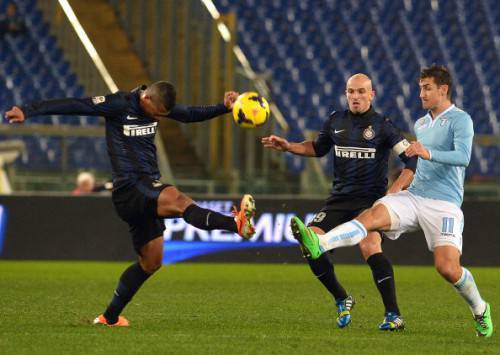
point(136, 203)
point(334, 214)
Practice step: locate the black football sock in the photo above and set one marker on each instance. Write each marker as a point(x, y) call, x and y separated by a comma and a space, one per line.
point(208, 220)
point(130, 281)
point(383, 275)
point(324, 271)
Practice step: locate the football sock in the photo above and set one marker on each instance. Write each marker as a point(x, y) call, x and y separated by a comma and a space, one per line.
point(324, 271)
point(208, 220)
point(347, 234)
point(383, 276)
point(466, 287)
point(130, 281)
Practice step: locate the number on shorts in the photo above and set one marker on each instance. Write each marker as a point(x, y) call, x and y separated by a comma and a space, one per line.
point(447, 227)
point(319, 217)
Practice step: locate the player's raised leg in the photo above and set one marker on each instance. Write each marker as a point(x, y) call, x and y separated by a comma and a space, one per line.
point(169, 202)
point(346, 234)
point(172, 202)
point(352, 232)
point(447, 262)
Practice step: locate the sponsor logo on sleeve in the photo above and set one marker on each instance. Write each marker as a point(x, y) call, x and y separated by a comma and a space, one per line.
point(96, 100)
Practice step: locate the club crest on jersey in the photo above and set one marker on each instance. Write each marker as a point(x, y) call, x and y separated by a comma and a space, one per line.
point(368, 133)
point(421, 124)
point(135, 130)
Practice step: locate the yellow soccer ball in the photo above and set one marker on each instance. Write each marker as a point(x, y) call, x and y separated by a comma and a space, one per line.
point(250, 110)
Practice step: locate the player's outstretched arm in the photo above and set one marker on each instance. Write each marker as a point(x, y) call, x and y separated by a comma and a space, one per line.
point(190, 114)
point(305, 148)
point(95, 106)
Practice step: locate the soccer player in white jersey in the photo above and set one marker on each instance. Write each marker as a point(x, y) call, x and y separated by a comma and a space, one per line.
point(432, 202)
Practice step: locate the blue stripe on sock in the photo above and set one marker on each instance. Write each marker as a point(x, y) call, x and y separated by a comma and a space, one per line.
point(360, 227)
point(463, 279)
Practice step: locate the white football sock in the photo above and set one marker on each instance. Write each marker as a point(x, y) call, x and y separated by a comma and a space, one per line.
point(345, 235)
point(467, 288)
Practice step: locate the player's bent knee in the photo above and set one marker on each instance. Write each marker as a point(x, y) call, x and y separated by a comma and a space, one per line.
point(183, 202)
point(372, 244)
point(448, 271)
point(151, 255)
point(369, 248)
point(151, 265)
point(172, 202)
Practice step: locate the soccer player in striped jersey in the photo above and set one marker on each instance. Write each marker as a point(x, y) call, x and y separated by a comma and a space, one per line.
point(362, 140)
point(432, 202)
point(140, 199)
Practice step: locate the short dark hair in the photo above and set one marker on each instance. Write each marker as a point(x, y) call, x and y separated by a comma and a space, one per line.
point(165, 92)
point(440, 74)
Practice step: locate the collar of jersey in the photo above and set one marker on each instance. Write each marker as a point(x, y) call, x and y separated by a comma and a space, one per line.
point(362, 115)
point(440, 115)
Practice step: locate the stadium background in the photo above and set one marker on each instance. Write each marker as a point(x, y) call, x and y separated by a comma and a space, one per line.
point(298, 54)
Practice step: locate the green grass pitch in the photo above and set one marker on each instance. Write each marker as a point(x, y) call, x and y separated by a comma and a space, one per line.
point(47, 307)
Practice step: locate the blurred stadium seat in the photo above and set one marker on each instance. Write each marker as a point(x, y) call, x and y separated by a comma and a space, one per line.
point(310, 51)
point(307, 52)
point(33, 67)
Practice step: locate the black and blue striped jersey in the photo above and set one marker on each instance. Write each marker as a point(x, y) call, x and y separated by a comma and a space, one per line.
point(361, 148)
point(129, 131)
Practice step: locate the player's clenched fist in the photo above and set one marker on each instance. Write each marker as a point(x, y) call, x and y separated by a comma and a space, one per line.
point(229, 99)
point(276, 142)
point(417, 149)
point(15, 115)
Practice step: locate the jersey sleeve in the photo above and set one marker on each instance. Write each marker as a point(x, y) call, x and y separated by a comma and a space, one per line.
point(463, 134)
point(189, 114)
point(323, 143)
point(398, 143)
point(92, 106)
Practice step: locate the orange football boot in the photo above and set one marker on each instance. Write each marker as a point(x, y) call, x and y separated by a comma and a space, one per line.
point(122, 321)
point(243, 217)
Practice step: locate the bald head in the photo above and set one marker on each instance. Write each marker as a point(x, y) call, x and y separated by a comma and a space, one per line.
point(359, 92)
point(360, 79)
